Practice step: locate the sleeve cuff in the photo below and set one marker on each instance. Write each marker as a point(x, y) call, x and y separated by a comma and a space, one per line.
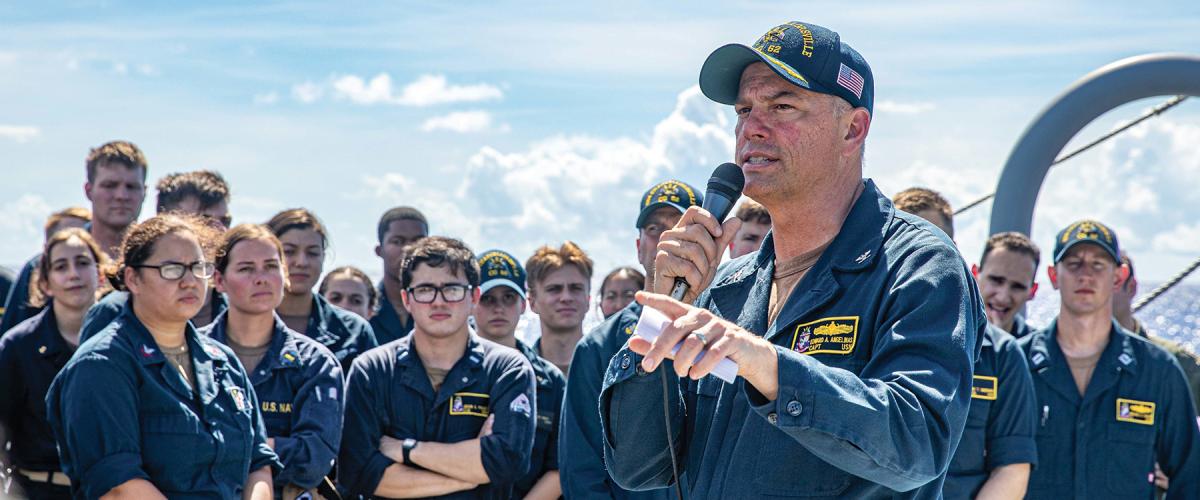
point(1009, 450)
point(793, 403)
point(372, 473)
point(112, 471)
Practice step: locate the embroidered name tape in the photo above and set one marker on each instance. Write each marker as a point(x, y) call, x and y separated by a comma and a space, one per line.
point(985, 387)
point(1134, 411)
point(836, 335)
point(469, 403)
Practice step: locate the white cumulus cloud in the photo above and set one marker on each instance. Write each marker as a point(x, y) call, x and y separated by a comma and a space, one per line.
point(22, 227)
point(426, 90)
point(267, 98)
point(19, 133)
point(462, 122)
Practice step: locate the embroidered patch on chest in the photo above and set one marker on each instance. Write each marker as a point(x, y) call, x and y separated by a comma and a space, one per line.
point(1134, 411)
point(985, 387)
point(469, 403)
point(239, 397)
point(836, 335)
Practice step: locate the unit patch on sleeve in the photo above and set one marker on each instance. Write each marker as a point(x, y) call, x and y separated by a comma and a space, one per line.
point(985, 387)
point(836, 335)
point(1134, 411)
point(469, 403)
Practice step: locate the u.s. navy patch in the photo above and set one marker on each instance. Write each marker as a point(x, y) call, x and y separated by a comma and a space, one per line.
point(520, 404)
point(469, 403)
point(1134, 411)
point(985, 387)
point(836, 335)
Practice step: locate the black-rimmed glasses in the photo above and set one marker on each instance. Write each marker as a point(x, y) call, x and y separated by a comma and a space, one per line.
point(174, 270)
point(425, 294)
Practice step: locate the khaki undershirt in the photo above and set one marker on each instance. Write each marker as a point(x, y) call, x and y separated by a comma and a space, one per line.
point(436, 376)
point(298, 323)
point(1082, 369)
point(179, 358)
point(787, 275)
point(249, 356)
point(205, 315)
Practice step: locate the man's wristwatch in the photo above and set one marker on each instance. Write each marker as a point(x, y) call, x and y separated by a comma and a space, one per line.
point(408, 446)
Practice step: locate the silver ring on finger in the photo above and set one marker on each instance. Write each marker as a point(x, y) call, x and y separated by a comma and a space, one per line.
point(703, 339)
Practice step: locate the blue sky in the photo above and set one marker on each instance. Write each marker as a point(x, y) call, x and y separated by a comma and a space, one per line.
point(513, 124)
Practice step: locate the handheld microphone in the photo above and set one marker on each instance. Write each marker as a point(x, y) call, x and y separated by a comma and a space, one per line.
point(724, 189)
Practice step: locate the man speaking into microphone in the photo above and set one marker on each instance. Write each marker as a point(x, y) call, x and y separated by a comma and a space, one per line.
point(854, 328)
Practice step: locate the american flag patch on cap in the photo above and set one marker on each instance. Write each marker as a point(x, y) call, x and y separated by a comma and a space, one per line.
point(850, 79)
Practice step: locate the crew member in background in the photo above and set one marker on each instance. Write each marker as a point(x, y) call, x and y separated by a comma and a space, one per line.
point(304, 310)
point(756, 223)
point(116, 186)
point(927, 204)
point(618, 289)
point(349, 288)
point(560, 284)
point(1006, 276)
point(580, 445)
point(501, 303)
point(1111, 406)
point(397, 228)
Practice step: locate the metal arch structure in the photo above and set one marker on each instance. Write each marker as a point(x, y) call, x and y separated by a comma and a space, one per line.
point(1118, 83)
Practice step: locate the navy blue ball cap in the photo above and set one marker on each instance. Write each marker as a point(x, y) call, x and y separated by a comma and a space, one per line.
point(809, 56)
point(672, 193)
point(1087, 231)
point(500, 268)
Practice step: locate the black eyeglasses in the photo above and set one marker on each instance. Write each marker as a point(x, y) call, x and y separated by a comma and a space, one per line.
point(174, 270)
point(425, 294)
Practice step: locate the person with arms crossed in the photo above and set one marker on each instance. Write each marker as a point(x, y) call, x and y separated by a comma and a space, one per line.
point(580, 447)
point(502, 300)
point(1112, 407)
point(857, 325)
point(438, 413)
point(148, 408)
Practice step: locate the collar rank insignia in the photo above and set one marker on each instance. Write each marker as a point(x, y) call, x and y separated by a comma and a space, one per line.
point(863, 257)
point(1125, 358)
point(147, 351)
point(42, 350)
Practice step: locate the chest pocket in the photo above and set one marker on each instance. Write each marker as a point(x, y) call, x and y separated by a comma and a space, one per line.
point(465, 413)
point(970, 457)
point(1128, 449)
point(174, 445)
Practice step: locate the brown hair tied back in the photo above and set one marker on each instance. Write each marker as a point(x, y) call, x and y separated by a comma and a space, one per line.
point(41, 274)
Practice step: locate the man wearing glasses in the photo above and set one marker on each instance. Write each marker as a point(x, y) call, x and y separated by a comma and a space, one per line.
point(440, 412)
point(202, 193)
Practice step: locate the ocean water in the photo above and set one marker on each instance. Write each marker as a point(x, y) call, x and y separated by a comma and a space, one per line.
point(1174, 315)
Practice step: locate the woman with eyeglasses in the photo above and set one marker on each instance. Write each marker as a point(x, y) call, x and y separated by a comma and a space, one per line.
point(297, 380)
point(148, 408)
point(304, 242)
point(618, 289)
point(33, 352)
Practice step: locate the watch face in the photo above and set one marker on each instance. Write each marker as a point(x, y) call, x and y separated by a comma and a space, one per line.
point(410, 442)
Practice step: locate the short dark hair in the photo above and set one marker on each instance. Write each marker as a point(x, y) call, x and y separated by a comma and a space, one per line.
point(919, 199)
point(206, 186)
point(400, 213)
point(1012, 240)
point(123, 153)
point(298, 218)
point(57, 218)
point(753, 211)
point(436, 251)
